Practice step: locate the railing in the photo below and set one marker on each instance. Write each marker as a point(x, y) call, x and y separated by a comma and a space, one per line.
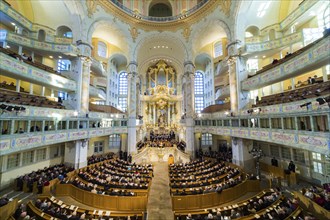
point(24, 70)
point(97, 67)
point(223, 92)
point(65, 48)
point(315, 56)
point(97, 93)
point(159, 19)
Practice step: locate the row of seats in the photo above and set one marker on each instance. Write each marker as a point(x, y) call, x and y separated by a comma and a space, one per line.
point(42, 177)
point(19, 98)
point(310, 91)
point(11, 86)
point(212, 177)
point(318, 195)
point(217, 108)
point(270, 204)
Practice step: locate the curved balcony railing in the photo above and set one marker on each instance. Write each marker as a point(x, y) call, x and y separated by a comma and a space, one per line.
point(97, 93)
point(159, 19)
point(223, 92)
point(65, 48)
point(253, 126)
point(97, 68)
point(23, 70)
point(316, 55)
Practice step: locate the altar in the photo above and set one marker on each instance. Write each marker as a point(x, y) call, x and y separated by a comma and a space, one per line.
point(157, 154)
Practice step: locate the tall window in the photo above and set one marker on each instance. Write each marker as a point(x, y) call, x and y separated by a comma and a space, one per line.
point(98, 147)
point(13, 161)
point(206, 140)
point(41, 154)
point(199, 92)
point(114, 141)
point(317, 162)
point(102, 49)
point(218, 49)
point(123, 88)
point(28, 157)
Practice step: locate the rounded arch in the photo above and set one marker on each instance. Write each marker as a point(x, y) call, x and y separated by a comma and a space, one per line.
point(252, 31)
point(64, 31)
point(41, 35)
point(120, 60)
point(202, 59)
point(160, 4)
point(272, 34)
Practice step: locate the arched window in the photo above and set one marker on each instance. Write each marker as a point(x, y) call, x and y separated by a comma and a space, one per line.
point(218, 49)
point(160, 9)
point(63, 65)
point(102, 49)
point(64, 31)
point(199, 92)
point(123, 88)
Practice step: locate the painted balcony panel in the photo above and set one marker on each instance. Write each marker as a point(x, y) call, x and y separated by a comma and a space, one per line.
point(302, 140)
point(274, 44)
point(311, 59)
point(10, 66)
point(14, 38)
point(20, 142)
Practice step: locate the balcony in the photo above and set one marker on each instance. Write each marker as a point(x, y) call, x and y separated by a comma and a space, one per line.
point(20, 70)
point(97, 93)
point(223, 93)
point(274, 44)
point(241, 126)
point(99, 81)
point(309, 58)
point(97, 68)
point(33, 44)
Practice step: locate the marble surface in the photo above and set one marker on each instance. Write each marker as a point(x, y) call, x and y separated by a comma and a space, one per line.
point(159, 200)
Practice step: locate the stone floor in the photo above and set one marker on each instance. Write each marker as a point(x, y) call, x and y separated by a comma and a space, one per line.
point(159, 200)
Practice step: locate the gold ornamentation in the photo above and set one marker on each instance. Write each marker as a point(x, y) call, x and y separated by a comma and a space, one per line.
point(186, 33)
point(134, 33)
point(225, 6)
point(91, 7)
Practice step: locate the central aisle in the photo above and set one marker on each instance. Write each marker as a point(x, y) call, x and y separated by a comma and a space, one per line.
point(159, 201)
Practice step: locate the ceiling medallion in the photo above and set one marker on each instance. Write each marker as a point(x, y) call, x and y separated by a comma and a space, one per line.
point(91, 7)
point(134, 33)
point(225, 6)
point(186, 33)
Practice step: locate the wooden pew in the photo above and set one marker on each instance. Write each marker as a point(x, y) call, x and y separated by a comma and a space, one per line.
point(7, 210)
point(308, 204)
point(208, 200)
point(118, 203)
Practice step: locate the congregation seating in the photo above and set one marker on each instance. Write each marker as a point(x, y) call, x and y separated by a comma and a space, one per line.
point(181, 145)
point(310, 91)
point(20, 98)
point(11, 86)
point(318, 195)
point(200, 177)
point(37, 180)
point(99, 158)
point(48, 207)
point(288, 57)
point(7, 207)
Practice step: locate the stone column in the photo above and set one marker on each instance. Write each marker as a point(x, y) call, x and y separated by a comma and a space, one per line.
point(76, 153)
point(131, 106)
point(189, 105)
point(18, 85)
point(86, 66)
point(233, 84)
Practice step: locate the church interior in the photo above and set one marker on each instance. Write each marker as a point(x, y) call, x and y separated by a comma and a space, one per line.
point(165, 109)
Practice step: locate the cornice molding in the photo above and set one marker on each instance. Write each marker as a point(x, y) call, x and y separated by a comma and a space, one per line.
point(146, 25)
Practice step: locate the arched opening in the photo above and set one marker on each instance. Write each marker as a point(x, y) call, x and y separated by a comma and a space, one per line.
point(41, 35)
point(252, 31)
point(64, 31)
point(272, 34)
point(160, 9)
point(25, 33)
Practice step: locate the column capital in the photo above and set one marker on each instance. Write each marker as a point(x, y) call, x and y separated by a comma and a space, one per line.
point(87, 61)
point(231, 60)
point(132, 68)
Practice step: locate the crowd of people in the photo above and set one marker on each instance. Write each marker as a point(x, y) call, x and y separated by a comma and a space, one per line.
point(42, 177)
point(318, 195)
point(4, 200)
point(99, 158)
point(203, 176)
point(114, 177)
point(224, 154)
point(181, 145)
